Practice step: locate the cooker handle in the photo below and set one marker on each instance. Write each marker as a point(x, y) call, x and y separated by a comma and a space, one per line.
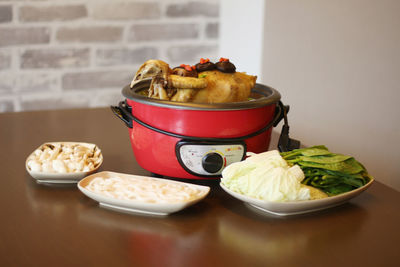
point(285, 143)
point(280, 113)
point(123, 112)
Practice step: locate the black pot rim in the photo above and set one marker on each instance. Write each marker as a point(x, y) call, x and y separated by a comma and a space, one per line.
point(269, 96)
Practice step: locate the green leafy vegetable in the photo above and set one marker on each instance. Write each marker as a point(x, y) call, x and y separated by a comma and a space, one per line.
point(332, 173)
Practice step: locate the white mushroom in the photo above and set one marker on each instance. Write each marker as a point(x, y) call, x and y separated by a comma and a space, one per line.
point(65, 158)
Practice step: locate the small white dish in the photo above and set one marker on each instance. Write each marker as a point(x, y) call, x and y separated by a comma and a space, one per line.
point(138, 206)
point(298, 207)
point(61, 178)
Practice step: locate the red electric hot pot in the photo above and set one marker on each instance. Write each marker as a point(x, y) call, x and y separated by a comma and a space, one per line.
point(198, 140)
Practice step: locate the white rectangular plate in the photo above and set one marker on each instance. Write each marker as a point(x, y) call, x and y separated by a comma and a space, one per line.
point(297, 207)
point(137, 206)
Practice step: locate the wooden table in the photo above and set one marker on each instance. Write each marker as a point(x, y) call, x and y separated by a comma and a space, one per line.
point(59, 226)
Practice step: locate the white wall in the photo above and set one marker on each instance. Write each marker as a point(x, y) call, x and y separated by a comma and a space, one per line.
point(337, 64)
point(241, 34)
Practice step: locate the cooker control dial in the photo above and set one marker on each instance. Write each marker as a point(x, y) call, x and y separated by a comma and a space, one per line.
point(208, 159)
point(212, 162)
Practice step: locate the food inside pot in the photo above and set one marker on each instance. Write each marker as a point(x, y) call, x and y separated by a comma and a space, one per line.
point(253, 95)
point(204, 82)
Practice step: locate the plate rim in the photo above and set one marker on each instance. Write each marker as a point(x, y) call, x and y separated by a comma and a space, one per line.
point(297, 207)
point(132, 204)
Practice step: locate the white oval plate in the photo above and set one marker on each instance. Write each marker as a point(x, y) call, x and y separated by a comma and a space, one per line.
point(61, 178)
point(137, 206)
point(297, 207)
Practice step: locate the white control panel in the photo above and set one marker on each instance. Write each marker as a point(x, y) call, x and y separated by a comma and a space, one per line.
point(206, 159)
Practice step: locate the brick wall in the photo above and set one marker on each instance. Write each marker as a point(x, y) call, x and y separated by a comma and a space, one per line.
point(57, 54)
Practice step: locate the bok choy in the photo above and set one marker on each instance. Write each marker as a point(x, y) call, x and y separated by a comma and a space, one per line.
point(330, 172)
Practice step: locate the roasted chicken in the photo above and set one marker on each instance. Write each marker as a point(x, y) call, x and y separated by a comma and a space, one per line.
point(204, 83)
